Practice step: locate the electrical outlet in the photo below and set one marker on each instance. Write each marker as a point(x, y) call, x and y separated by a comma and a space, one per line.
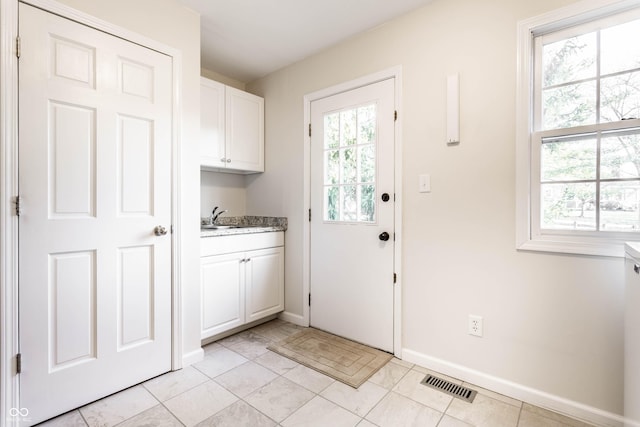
point(475, 325)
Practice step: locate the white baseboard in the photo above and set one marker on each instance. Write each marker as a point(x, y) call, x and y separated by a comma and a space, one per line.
point(296, 319)
point(517, 391)
point(193, 357)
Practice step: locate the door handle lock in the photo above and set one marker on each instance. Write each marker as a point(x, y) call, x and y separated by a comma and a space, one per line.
point(384, 236)
point(160, 230)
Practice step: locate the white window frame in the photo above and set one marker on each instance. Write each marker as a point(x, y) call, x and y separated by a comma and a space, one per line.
point(528, 233)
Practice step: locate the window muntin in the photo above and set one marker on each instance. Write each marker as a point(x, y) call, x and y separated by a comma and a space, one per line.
point(585, 149)
point(350, 165)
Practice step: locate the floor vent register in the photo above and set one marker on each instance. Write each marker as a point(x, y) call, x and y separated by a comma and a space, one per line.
point(448, 387)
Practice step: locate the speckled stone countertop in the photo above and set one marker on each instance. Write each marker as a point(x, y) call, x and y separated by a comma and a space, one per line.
point(245, 224)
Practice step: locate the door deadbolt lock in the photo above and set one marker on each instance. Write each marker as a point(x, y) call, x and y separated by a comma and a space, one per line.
point(160, 230)
point(384, 236)
point(385, 197)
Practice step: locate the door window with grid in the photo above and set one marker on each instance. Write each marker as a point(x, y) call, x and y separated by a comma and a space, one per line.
point(350, 165)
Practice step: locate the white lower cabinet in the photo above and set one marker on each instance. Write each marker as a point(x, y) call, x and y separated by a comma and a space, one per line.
point(242, 286)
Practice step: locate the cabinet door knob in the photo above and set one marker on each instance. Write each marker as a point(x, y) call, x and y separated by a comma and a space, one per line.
point(223, 160)
point(228, 160)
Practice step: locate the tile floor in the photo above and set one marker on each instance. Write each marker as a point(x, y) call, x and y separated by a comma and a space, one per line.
point(241, 383)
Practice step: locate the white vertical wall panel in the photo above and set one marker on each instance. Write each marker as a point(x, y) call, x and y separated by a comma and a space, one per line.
point(73, 61)
point(135, 296)
point(135, 166)
point(72, 160)
point(72, 308)
point(136, 79)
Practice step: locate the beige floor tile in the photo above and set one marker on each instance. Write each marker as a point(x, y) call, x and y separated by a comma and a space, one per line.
point(278, 364)
point(200, 403)
point(250, 346)
point(389, 375)
point(219, 362)
point(156, 416)
point(237, 415)
point(484, 412)
point(70, 419)
point(172, 384)
point(448, 421)
point(114, 409)
point(359, 401)
point(279, 399)
point(309, 379)
point(246, 378)
point(530, 411)
point(319, 412)
point(399, 411)
point(365, 423)
point(402, 363)
point(494, 395)
point(410, 387)
point(210, 348)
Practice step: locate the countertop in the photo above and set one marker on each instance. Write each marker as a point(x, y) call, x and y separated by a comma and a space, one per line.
point(246, 225)
point(633, 249)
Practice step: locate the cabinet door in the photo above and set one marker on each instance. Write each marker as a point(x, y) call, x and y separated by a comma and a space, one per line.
point(264, 282)
point(212, 124)
point(223, 294)
point(244, 130)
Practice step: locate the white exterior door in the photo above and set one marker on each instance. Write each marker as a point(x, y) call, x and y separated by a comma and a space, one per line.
point(95, 116)
point(352, 221)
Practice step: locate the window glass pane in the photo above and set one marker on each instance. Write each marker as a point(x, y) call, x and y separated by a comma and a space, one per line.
point(568, 206)
point(367, 202)
point(619, 206)
point(569, 160)
point(569, 60)
point(620, 97)
point(620, 50)
point(332, 130)
point(331, 202)
point(349, 166)
point(349, 203)
point(367, 159)
point(332, 167)
point(348, 127)
point(367, 124)
point(568, 106)
point(620, 156)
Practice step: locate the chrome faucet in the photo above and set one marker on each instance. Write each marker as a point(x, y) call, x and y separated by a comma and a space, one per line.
point(213, 212)
point(214, 216)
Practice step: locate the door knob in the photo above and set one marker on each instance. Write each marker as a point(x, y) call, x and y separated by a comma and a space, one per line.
point(384, 236)
point(160, 230)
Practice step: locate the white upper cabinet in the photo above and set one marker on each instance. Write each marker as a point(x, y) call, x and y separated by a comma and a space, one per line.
point(232, 129)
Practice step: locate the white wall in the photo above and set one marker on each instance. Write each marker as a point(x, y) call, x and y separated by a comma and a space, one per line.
point(168, 22)
point(225, 190)
point(552, 323)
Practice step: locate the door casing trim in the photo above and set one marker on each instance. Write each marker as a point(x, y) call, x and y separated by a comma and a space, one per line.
point(9, 337)
point(390, 73)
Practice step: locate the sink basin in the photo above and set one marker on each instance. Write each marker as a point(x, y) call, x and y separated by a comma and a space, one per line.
point(218, 227)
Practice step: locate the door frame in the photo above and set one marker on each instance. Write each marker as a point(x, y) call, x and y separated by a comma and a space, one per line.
point(9, 239)
point(396, 74)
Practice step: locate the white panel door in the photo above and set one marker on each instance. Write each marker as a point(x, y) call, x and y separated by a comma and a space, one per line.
point(222, 293)
point(94, 174)
point(244, 130)
point(264, 282)
point(212, 124)
point(352, 206)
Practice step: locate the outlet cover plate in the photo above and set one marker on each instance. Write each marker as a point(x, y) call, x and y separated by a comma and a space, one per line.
point(475, 325)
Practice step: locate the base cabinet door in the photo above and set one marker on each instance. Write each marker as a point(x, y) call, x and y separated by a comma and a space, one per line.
point(264, 281)
point(223, 293)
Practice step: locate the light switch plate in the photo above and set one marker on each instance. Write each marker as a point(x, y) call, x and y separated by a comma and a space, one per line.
point(425, 183)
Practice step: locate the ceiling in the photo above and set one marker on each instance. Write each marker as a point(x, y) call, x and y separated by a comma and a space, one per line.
point(248, 39)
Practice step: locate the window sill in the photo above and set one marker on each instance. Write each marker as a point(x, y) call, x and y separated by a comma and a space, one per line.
point(573, 245)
